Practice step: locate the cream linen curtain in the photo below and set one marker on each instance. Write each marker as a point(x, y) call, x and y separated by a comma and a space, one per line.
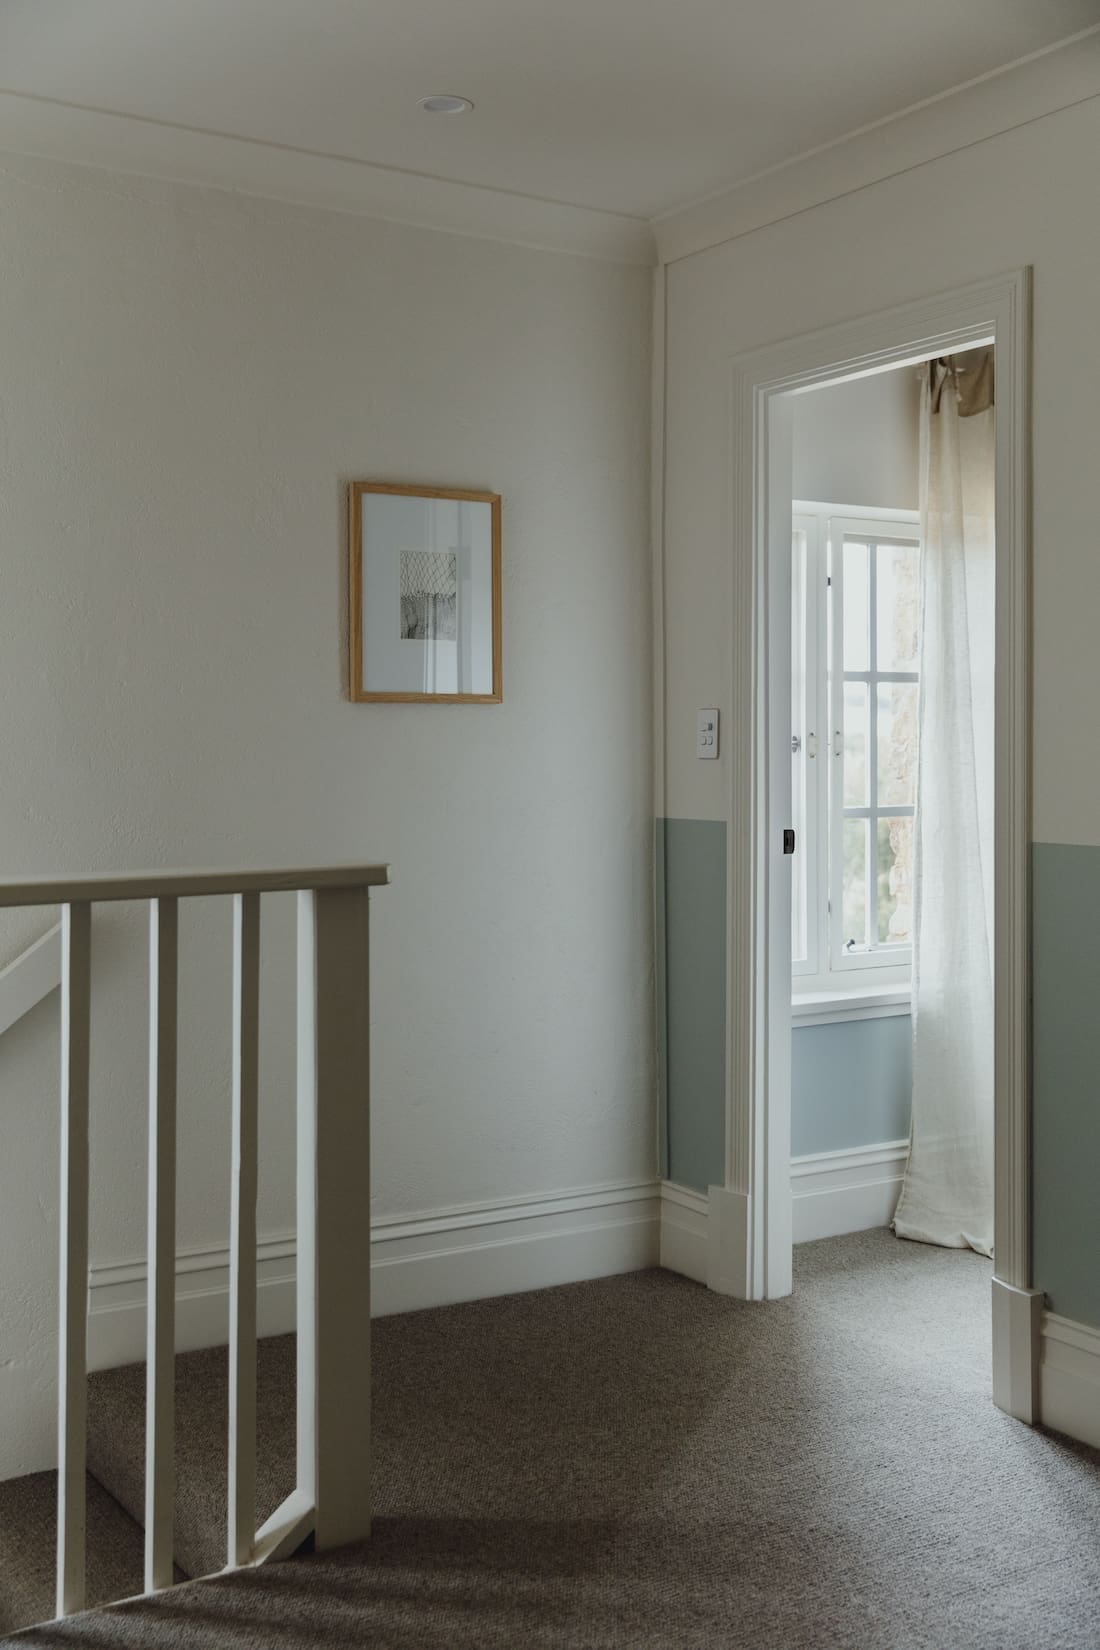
point(947, 1194)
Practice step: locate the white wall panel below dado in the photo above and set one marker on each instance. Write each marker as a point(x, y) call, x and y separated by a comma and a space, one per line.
point(964, 217)
point(190, 381)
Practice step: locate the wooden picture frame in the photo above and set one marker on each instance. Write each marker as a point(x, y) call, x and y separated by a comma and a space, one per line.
point(420, 613)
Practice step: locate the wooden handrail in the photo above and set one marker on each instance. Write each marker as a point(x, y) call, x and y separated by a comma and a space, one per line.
point(185, 884)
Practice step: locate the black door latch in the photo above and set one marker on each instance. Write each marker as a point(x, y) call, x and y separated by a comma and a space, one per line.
point(788, 842)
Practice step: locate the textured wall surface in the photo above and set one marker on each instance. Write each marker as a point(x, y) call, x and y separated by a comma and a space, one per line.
point(190, 380)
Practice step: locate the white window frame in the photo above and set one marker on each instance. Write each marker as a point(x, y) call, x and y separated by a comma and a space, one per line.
point(809, 726)
point(869, 530)
point(831, 983)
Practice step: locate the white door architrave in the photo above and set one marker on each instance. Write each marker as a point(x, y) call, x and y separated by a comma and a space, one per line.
point(750, 1215)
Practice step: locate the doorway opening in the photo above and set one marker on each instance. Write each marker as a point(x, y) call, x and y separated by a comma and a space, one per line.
point(852, 910)
point(855, 687)
point(892, 737)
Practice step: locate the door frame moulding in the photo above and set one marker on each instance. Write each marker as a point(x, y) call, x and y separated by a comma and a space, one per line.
point(753, 1207)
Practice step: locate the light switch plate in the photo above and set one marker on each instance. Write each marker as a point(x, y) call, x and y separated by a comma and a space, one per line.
point(706, 734)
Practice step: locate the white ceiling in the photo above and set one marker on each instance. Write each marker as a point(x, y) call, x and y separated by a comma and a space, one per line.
point(630, 106)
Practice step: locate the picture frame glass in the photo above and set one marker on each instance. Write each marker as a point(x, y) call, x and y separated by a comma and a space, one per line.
point(427, 589)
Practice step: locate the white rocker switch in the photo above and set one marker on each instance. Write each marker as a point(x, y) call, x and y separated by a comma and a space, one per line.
point(706, 734)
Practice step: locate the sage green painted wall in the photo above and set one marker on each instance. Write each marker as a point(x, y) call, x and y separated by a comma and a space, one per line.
point(691, 883)
point(1066, 1084)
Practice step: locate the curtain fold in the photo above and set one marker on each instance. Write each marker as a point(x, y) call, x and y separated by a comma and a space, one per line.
point(947, 1193)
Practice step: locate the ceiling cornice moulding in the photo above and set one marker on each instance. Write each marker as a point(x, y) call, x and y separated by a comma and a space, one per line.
point(147, 148)
point(1053, 80)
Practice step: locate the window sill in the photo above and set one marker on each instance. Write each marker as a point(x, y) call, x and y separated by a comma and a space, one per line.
point(824, 1008)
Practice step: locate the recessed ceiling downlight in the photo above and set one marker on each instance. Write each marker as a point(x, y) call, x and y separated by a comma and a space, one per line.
point(442, 103)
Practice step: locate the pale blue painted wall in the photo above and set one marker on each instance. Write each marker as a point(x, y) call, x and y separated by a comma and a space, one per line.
point(691, 935)
point(851, 1084)
point(1065, 899)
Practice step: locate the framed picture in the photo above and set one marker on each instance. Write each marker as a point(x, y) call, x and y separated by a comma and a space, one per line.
point(424, 566)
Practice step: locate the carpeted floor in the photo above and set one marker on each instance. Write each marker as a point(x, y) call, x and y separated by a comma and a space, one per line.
point(116, 1444)
point(28, 1533)
point(637, 1464)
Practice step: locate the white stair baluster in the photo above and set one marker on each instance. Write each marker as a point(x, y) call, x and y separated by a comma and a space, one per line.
point(76, 956)
point(160, 1370)
point(331, 1496)
point(242, 1239)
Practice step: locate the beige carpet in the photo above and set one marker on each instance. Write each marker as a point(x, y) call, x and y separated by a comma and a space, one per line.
point(116, 1444)
point(28, 1527)
point(636, 1463)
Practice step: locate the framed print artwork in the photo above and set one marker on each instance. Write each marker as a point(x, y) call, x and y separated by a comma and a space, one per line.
point(424, 566)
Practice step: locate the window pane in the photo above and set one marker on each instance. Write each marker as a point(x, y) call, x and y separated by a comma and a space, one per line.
point(897, 594)
point(856, 651)
point(895, 881)
point(854, 888)
point(798, 756)
point(897, 743)
point(855, 745)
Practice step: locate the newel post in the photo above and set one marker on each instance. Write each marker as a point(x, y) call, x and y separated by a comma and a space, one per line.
point(334, 1212)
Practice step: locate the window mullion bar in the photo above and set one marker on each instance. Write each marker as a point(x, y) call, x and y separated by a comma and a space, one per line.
point(834, 785)
point(881, 676)
point(820, 866)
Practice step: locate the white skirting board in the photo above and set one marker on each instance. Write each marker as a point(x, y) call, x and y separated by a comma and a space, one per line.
point(503, 1247)
point(685, 1233)
point(1069, 1378)
point(435, 1259)
point(831, 1193)
point(848, 1191)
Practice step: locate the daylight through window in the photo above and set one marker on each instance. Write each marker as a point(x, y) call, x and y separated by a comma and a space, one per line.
point(855, 685)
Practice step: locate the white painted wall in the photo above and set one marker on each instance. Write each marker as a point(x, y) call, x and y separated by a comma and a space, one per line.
point(859, 443)
point(1028, 196)
point(190, 379)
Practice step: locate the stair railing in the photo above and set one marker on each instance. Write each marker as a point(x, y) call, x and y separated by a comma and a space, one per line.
point(331, 1496)
point(30, 977)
